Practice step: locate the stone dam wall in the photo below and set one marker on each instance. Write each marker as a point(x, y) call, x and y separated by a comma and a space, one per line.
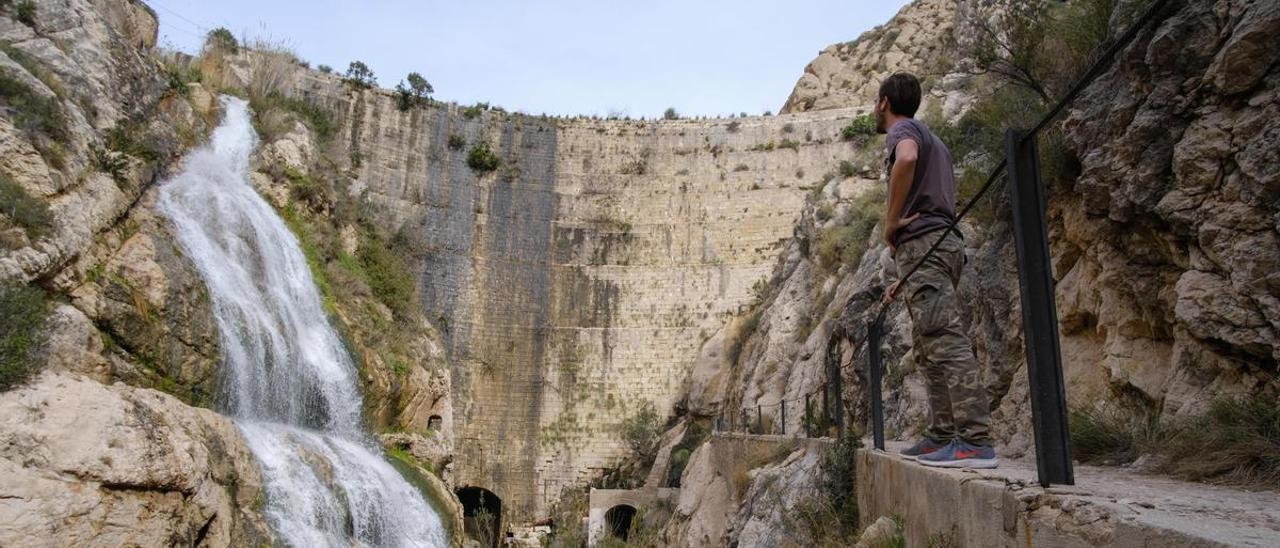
point(576, 283)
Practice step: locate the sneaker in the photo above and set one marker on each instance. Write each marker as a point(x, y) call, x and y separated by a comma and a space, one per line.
point(961, 454)
point(925, 446)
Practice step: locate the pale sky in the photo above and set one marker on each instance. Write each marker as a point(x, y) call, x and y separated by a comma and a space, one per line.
point(714, 57)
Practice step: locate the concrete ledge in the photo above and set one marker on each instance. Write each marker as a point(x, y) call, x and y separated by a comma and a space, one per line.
point(1107, 507)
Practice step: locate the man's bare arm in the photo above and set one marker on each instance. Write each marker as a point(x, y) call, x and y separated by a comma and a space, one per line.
point(904, 169)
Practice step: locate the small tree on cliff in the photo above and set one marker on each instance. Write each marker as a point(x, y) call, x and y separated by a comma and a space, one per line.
point(641, 430)
point(482, 159)
point(221, 40)
point(1038, 46)
point(360, 75)
point(670, 114)
point(417, 93)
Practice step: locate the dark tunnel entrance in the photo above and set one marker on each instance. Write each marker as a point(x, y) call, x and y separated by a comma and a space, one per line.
point(619, 518)
point(482, 515)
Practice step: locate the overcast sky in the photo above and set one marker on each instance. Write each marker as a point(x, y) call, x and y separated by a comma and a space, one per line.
point(635, 57)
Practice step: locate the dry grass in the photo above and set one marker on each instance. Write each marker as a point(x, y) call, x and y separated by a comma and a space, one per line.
point(566, 519)
point(23, 310)
point(830, 519)
point(272, 66)
point(846, 241)
point(1235, 442)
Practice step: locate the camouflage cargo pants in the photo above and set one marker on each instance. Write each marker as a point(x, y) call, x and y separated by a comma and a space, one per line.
point(957, 396)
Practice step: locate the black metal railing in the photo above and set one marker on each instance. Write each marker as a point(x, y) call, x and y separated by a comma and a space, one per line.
point(817, 409)
point(1027, 201)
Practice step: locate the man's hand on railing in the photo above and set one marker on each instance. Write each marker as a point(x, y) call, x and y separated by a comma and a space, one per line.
point(890, 292)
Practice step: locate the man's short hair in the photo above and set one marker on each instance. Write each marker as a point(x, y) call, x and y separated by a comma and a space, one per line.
point(903, 91)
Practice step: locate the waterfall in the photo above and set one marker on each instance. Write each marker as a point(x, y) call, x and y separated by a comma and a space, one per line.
point(288, 383)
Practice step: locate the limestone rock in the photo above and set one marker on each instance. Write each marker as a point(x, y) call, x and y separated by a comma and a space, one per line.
point(86, 54)
point(74, 345)
point(293, 151)
point(707, 381)
point(706, 506)
point(776, 492)
point(85, 464)
point(432, 448)
point(849, 74)
point(151, 304)
point(879, 533)
point(1183, 217)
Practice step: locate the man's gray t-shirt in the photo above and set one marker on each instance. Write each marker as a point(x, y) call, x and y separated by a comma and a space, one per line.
point(933, 188)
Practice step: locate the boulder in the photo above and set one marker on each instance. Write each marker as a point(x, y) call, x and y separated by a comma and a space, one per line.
point(83, 464)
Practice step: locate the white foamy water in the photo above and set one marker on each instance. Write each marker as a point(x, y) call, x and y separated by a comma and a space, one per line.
point(289, 382)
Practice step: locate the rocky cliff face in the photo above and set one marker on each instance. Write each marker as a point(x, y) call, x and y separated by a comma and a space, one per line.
point(87, 464)
point(90, 122)
point(1164, 248)
point(920, 39)
point(1168, 245)
point(1162, 293)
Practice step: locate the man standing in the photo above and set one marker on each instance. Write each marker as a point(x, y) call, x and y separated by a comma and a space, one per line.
point(921, 203)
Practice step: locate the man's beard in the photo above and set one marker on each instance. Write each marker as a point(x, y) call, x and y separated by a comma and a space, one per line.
point(879, 121)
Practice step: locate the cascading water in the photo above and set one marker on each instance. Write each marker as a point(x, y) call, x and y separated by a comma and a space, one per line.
point(289, 382)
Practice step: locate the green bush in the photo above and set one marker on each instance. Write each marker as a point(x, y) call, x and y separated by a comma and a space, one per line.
point(860, 126)
point(475, 110)
point(457, 142)
point(39, 116)
point(847, 169)
point(641, 429)
point(315, 194)
point(846, 241)
point(830, 518)
point(1236, 441)
point(359, 75)
point(134, 139)
point(825, 212)
point(482, 159)
point(25, 12)
point(321, 120)
point(23, 209)
point(842, 473)
point(695, 434)
point(221, 40)
point(679, 459)
point(326, 69)
point(179, 77)
point(416, 94)
point(1111, 435)
point(23, 309)
point(670, 114)
point(111, 163)
point(387, 274)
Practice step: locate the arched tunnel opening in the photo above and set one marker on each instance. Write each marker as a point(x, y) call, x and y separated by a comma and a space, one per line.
point(619, 519)
point(482, 515)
